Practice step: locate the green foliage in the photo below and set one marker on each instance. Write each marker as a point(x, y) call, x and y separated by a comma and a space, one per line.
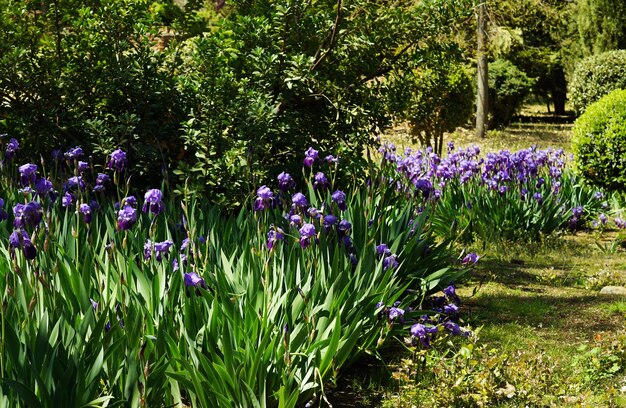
point(533, 35)
point(596, 76)
point(92, 321)
point(86, 73)
point(273, 78)
point(599, 141)
point(442, 98)
point(508, 86)
point(599, 26)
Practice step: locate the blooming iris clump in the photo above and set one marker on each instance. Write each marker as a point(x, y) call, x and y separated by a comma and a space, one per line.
point(265, 198)
point(117, 160)
point(153, 202)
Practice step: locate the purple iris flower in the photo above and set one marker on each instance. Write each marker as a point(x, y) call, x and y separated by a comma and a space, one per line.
point(67, 199)
point(382, 249)
point(264, 198)
point(311, 155)
point(320, 180)
point(450, 293)
point(101, 179)
point(329, 221)
point(396, 314)
point(3, 214)
point(12, 147)
point(299, 200)
point(131, 201)
point(74, 153)
point(285, 182)
point(538, 197)
point(306, 233)
point(126, 218)
point(43, 186)
point(118, 160)
point(295, 219)
point(340, 198)
point(598, 195)
point(153, 202)
point(344, 227)
point(85, 209)
point(20, 239)
point(193, 280)
point(28, 173)
point(470, 258)
point(421, 333)
point(274, 235)
point(162, 249)
point(82, 166)
point(390, 262)
point(451, 309)
point(331, 159)
point(452, 327)
point(620, 223)
point(75, 183)
point(27, 214)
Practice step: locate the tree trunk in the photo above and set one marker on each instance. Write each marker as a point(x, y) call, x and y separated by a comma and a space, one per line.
point(559, 90)
point(482, 91)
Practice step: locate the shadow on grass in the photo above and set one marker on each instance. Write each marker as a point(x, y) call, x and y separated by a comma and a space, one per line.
point(573, 316)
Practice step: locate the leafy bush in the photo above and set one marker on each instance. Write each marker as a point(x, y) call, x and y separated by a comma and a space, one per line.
point(442, 99)
point(182, 304)
point(86, 73)
point(508, 86)
point(597, 76)
point(273, 78)
point(599, 141)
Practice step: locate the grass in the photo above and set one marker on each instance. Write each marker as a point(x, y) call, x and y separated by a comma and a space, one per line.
point(545, 336)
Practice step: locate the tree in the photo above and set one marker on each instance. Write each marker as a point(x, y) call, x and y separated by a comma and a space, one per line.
point(600, 26)
point(442, 99)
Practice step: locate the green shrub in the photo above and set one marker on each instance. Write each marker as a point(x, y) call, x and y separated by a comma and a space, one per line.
point(508, 86)
point(596, 76)
point(600, 141)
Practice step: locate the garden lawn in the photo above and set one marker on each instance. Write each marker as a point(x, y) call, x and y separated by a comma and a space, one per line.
point(546, 337)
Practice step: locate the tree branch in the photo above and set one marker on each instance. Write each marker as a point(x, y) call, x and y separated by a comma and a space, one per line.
point(319, 57)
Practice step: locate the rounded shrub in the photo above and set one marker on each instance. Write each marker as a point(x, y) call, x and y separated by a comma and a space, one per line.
point(595, 77)
point(600, 141)
point(508, 87)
